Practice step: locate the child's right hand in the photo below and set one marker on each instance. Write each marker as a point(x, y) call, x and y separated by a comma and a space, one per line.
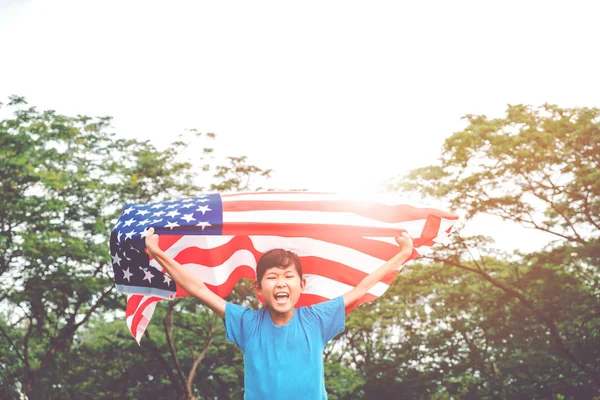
point(152, 241)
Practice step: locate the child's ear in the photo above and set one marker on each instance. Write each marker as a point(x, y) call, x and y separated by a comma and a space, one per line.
point(303, 283)
point(256, 287)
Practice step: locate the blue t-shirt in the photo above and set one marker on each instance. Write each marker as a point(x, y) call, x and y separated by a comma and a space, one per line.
point(284, 362)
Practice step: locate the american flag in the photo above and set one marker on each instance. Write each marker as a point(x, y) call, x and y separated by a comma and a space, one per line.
point(340, 239)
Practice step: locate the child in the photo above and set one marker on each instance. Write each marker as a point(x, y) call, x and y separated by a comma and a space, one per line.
point(283, 346)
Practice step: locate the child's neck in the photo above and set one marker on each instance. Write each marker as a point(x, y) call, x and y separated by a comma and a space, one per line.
point(281, 319)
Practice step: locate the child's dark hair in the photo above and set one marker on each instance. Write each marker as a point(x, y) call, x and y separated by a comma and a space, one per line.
point(277, 258)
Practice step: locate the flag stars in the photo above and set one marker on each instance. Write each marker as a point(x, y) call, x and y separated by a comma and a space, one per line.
point(144, 222)
point(158, 213)
point(127, 275)
point(157, 205)
point(144, 233)
point(171, 206)
point(156, 221)
point(172, 225)
point(142, 212)
point(129, 222)
point(127, 211)
point(129, 235)
point(116, 259)
point(203, 224)
point(188, 217)
point(186, 206)
point(167, 279)
point(148, 276)
point(203, 209)
point(172, 214)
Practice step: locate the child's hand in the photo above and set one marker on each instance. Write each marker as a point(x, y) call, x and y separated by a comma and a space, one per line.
point(152, 241)
point(405, 242)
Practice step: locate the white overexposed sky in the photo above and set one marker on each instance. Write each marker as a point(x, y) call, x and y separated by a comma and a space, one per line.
point(332, 95)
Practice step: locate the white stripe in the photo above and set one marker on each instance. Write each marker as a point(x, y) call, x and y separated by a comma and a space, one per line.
point(384, 199)
point(218, 275)
point(307, 247)
point(292, 196)
point(441, 237)
point(414, 228)
point(202, 242)
point(302, 246)
point(316, 284)
point(130, 318)
point(147, 313)
point(146, 317)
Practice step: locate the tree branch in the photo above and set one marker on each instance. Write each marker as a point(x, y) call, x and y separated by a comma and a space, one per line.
point(539, 228)
point(168, 326)
point(26, 345)
point(157, 354)
point(555, 208)
point(95, 306)
point(10, 342)
point(586, 211)
point(198, 360)
point(67, 331)
point(541, 316)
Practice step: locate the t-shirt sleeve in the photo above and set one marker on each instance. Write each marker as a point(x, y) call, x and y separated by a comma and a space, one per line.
point(240, 322)
point(330, 317)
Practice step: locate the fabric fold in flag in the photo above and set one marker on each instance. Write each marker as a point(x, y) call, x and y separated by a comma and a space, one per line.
point(340, 239)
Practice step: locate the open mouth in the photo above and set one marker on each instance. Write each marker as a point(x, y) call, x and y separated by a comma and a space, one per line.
point(281, 298)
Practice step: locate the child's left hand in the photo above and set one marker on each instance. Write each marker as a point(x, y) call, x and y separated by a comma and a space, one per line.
point(405, 241)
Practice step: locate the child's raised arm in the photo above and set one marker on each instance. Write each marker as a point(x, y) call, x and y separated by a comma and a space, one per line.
point(184, 278)
point(406, 246)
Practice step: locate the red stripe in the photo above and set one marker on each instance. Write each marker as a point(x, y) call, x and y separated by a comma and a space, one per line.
point(217, 255)
point(138, 315)
point(367, 298)
point(310, 264)
point(368, 209)
point(372, 247)
point(310, 299)
point(430, 232)
point(132, 304)
point(223, 290)
point(304, 230)
point(166, 241)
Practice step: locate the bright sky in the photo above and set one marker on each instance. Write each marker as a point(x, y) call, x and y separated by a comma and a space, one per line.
point(332, 95)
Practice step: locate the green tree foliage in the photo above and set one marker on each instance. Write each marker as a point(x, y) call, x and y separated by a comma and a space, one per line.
point(64, 182)
point(466, 323)
point(530, 323)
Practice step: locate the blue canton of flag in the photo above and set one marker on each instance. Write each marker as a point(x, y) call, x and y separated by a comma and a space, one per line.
point(201, 215)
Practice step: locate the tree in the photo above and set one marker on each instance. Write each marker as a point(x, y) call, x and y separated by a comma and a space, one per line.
point(444, 333)
point(539, 168)
point(64, 183)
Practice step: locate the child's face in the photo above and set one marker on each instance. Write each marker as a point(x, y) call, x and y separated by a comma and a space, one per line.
point(281, 288)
